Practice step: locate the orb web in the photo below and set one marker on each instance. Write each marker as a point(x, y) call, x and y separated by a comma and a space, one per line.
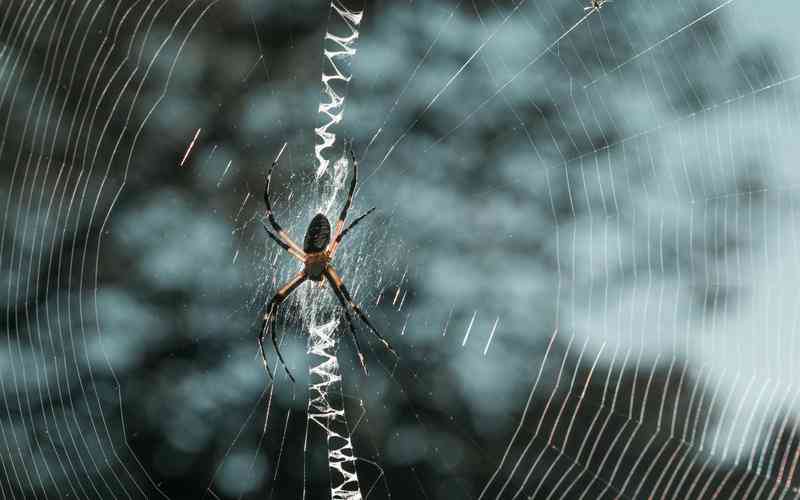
point(585, 249)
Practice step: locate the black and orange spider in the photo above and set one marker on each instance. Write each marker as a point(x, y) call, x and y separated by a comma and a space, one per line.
point(596, 5)
point(316, 255)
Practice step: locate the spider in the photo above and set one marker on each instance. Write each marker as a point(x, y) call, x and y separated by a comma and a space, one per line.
point(318, 250)
point(596, 5)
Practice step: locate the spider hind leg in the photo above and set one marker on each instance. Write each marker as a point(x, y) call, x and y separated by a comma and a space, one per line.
point(268, 323)
point(349, 319)
point(338, 285)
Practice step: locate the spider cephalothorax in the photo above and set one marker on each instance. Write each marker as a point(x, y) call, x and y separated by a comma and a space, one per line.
point(316, 255)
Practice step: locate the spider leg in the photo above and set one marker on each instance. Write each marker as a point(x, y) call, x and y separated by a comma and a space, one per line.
point(278, 229)
point(349, 201)
point(283, 244)
point(337, 283)
point(268, 323)
point(335, 244)
point(343, 301)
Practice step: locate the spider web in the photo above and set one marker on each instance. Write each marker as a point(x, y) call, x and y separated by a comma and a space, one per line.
point(585, 251)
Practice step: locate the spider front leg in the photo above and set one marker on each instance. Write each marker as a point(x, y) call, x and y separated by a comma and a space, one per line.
point(349, 201)
point(337, 283)
point(335, 243)
point(293, 248)
point(268, 323)
point(299, 256)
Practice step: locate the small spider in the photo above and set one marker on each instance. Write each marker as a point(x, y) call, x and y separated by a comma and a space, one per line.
point(316, 255)
point(596, 5)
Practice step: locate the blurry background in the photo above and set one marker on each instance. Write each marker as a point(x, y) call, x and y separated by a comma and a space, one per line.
point(585, 250)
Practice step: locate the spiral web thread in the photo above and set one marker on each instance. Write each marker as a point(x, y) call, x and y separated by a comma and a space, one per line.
point(325, 375)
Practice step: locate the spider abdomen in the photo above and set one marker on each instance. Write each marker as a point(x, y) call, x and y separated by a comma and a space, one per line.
point(318, 234)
